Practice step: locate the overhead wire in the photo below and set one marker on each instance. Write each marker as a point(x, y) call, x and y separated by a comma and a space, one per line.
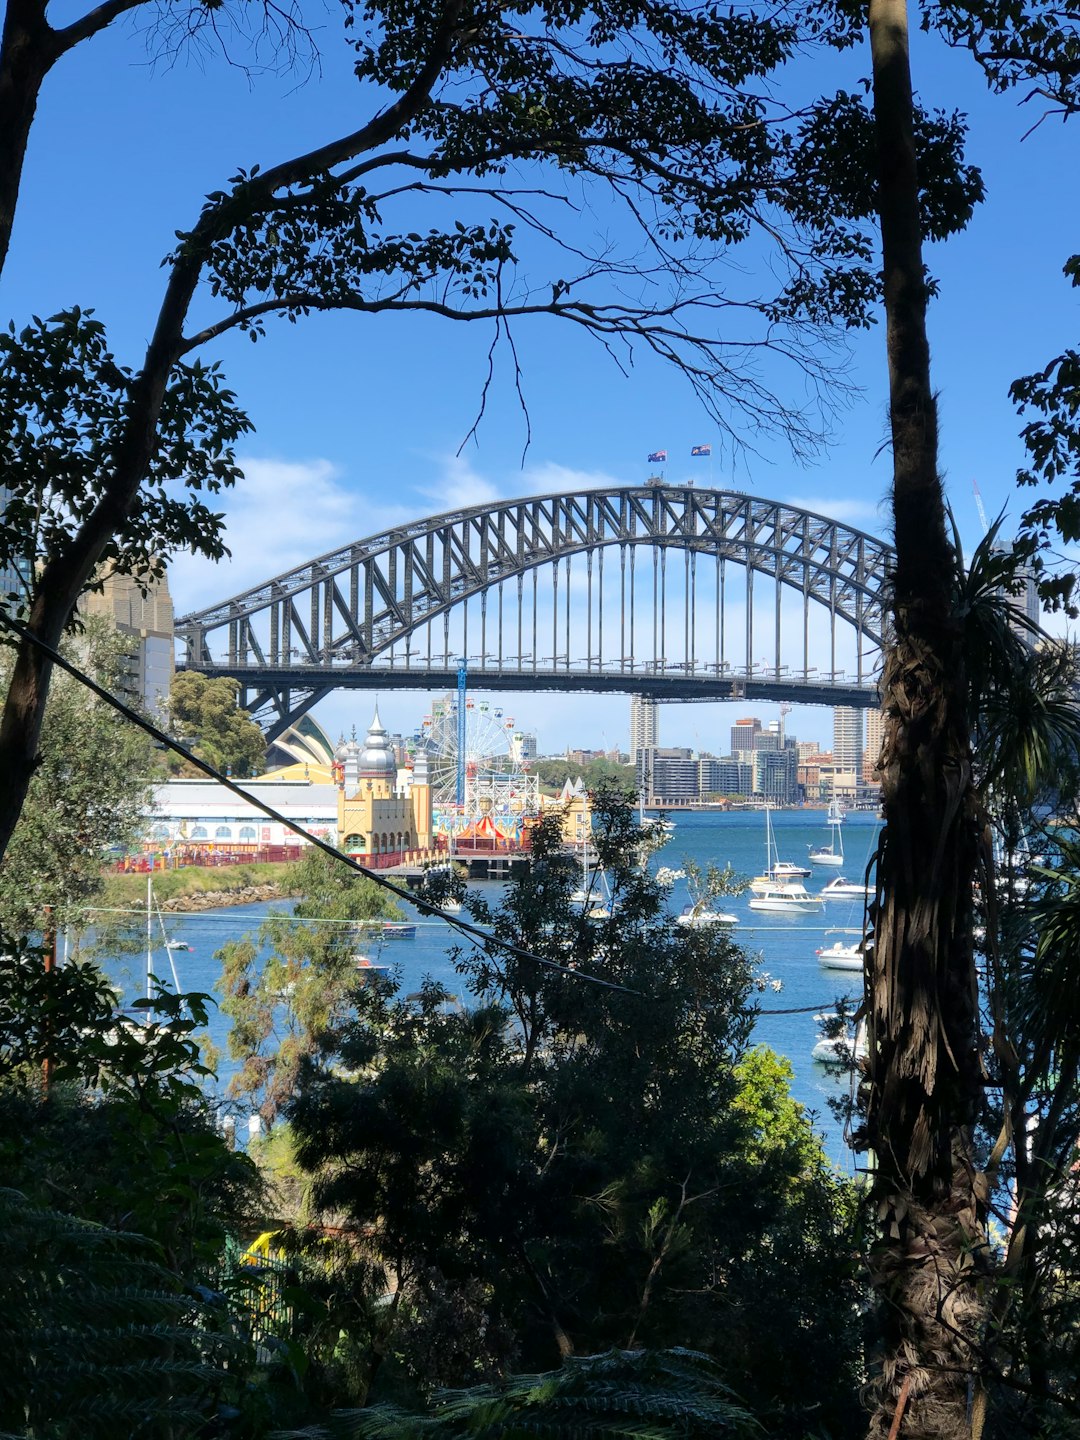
point(474, 933)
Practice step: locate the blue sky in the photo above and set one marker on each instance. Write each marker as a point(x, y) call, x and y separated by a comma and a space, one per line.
point(358, 421)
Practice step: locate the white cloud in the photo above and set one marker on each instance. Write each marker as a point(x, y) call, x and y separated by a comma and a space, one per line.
point(460, 484)
point(861, 513)
point(280, 515)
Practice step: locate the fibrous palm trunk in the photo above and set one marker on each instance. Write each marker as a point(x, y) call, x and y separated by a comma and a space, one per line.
point(924, 1072)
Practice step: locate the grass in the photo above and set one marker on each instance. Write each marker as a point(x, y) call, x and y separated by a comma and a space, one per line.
point(197, 880)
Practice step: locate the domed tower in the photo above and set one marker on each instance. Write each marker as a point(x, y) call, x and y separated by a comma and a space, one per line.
point(377, 761)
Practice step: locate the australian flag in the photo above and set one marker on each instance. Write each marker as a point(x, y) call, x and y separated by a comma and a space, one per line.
point(699, 451)
point(658, 457)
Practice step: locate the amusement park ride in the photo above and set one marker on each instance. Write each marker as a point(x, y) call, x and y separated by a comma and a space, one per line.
point(474, 774)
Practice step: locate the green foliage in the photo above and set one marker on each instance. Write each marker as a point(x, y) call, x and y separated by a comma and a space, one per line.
point(204, 713)
point(100, 1339)
point(195, 881)
point(88, 793)
point(64, 403)
point(633, 1395)
point(287, 1010)
point(570, 1166)
point(600, 771)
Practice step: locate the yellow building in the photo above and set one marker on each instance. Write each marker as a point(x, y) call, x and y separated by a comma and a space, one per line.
point(380, 814)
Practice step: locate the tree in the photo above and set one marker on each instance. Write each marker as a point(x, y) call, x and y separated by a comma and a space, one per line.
point(288, 1010)
point(925, 1079)
point(670, 120)
point(590, 1166)
point(206, 715)
point(1034, 46)
point(89, 795)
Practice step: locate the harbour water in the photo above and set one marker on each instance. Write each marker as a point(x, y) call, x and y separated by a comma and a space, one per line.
point(784, 946)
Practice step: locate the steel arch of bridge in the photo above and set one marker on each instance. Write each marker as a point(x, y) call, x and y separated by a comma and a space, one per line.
point(342, 620)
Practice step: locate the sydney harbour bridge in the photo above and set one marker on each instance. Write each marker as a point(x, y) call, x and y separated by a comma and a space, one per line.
point(672, 592)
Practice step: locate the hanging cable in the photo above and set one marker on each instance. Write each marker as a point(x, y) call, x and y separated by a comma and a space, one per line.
point(474, 933)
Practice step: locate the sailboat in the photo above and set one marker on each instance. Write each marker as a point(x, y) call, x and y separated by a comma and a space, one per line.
point(776, 871)
point(833, 853)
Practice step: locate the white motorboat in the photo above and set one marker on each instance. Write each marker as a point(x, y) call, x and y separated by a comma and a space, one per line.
point(777, 871)
point(696, 917)
point(836, 1044)
point(843, 954)
point(786, 898)
point(833, 853)
point(841, 888)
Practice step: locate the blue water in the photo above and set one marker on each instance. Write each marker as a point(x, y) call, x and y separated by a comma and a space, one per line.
point(784, 945)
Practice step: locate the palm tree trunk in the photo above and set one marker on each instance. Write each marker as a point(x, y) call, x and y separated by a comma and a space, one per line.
point(924, 1073)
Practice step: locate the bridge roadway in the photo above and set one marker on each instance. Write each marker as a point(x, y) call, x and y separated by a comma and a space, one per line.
point(660, 684)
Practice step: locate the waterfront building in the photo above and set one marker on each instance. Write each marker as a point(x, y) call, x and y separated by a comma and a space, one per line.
point(305, 742)
point(202, 822)
point(668, 774)
point(776, 775)
point(644, 725)
point(732, 775)
point(376, 814)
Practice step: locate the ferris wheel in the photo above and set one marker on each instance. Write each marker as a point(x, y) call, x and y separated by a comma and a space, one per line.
point(486, 751)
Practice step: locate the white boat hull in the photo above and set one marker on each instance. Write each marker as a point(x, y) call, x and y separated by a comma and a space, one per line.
point(841, 957)
point(825, 857)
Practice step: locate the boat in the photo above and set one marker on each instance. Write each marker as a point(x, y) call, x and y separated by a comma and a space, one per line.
point(394, 930)
point(657, 828)
point(841, 888)
point(836, 1044)
point(776, 870)
point(786, 897)
point(844, 955)
point(833, 853)
point(696, 917)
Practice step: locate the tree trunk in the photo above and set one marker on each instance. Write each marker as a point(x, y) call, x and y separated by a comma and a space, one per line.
point(27, 50)
point(924, 1071)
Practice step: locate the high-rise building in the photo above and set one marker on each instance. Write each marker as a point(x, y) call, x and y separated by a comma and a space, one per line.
point(848, 738)
point(15, 575)
point(744, 733)
point(875, 729)
point(522, 747)
point(644, 725)
point(147, 620)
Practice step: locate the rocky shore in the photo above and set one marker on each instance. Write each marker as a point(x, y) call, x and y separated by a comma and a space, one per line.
point(218, 899)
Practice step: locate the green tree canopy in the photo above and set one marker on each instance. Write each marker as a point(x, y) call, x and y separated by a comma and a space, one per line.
point(590, 1164)
point(89, 794)
point(204, 713)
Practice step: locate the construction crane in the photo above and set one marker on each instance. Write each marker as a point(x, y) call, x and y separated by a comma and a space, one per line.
point(980, 507)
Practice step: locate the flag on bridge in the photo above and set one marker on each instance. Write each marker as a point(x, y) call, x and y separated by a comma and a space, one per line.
point(699, 451)
point(658, 457)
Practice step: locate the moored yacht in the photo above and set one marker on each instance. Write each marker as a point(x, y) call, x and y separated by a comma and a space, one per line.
point(841, 888)
point(777, 871)
point(786, 897)
point(695, 917)
point(843, 954)
point(833, 853)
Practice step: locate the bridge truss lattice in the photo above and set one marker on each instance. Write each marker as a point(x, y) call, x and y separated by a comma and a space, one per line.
point(668, 591)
